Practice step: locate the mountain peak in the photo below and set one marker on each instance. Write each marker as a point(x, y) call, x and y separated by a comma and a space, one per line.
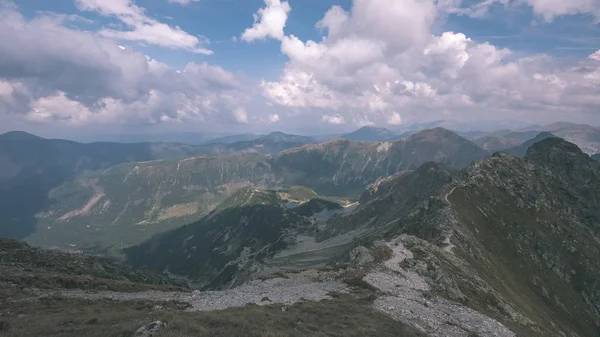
point(436, 133)
point(19, 135)
point(552, 146)
point(370, 134)
point(561, 156)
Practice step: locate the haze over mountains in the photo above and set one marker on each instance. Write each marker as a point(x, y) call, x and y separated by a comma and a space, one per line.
point(100, 195)
point(126, 203)
point(433, 221)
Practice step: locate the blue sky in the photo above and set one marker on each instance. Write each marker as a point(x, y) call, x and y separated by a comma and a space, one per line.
point(381, 62)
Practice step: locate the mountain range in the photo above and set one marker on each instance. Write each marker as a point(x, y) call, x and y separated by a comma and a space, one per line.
point(585, 136)
point(130, 202)
point(513, 238)
point(496, 236)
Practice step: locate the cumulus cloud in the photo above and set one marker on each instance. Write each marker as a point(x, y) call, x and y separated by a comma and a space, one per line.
point(51, 73)
point(268, 21)
point(333, 119)
point(142, 27)
point(595, 56)
point(274, 118)
point(380, 63)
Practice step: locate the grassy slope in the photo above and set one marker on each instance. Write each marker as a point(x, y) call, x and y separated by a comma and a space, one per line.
point(26, 272)
point(529, 231)
point(248, 226)
point(141, 199)
point(57, 317)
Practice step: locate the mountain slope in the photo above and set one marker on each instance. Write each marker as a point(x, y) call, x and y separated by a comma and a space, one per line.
point(494, 144)
point(222, 248)
point(32, 267)
point(529, 227)
point(596, 156)
point(129, 203)
point(513, 238)
point(370, 134)
point(521, 150)
point(585, 136)
point(234, 138)
point(31, 166)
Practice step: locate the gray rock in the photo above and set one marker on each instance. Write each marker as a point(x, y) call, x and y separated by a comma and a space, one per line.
point(151, 330)
point(360, 256)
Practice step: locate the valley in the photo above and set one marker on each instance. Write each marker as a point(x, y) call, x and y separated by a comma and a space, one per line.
point(431, 231)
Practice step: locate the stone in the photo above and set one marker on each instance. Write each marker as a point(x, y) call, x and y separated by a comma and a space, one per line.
point(151, 330)
point(360, 256)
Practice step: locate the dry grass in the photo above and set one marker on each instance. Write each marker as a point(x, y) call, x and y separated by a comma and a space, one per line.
point(344, 315)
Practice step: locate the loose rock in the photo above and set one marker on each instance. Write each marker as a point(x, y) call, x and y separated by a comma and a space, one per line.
point(151, 330)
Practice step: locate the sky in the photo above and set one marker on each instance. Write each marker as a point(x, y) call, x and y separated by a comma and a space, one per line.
point(81, 67)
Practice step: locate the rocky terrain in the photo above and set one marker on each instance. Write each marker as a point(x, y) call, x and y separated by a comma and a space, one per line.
point(129, 203)
point(504, 247)
point(45, 293)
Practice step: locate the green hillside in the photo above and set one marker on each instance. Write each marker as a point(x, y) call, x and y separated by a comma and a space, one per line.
point(129, 203)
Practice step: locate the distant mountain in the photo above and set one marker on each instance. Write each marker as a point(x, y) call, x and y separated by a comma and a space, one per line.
point(18, 136)
point(31, 166)
point(128, 203)
point(284, 137)
point(274, 142)
point(493, 144)
point(472, 135)
point(552, 127)
point(370, 134)
point(188, 138)
point(596, 156)
point(585, 136)
point(233, 139)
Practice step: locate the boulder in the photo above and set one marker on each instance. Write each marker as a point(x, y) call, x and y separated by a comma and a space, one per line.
point(151, 330)
point(360, 256)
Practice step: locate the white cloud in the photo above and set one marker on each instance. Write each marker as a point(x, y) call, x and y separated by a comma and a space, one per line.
point(394, 119)
point(380, 58)
point(333, 119)
point(53, 74)
point(550, 9)
point(143, 27)
point(547, 9)
point(274, 118)
point(595, 56)
point(268, 21)
point(182, 2)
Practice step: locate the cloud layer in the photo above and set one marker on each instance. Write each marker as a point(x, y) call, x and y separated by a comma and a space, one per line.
point(50, 73)
point(379, 63)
